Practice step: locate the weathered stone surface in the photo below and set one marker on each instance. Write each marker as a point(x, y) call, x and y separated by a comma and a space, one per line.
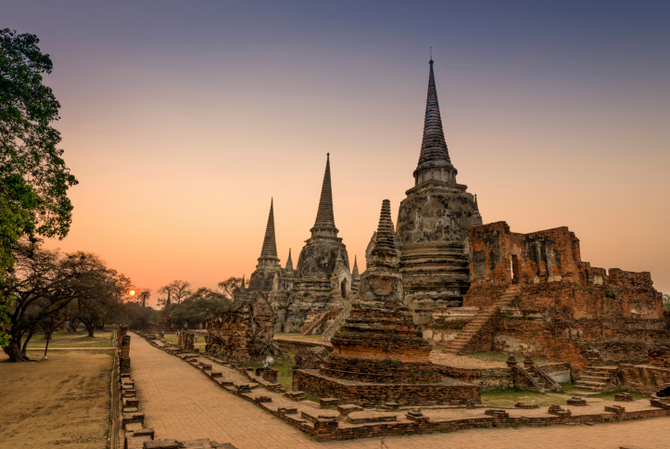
point(243, 330)
point(433, 224)
point(322, 280)
point(564, 308)
point(379, 355)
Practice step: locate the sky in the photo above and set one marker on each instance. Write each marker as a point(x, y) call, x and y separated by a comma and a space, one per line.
point(181, 120)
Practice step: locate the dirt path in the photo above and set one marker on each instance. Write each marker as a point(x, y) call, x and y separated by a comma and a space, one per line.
point(63, 402)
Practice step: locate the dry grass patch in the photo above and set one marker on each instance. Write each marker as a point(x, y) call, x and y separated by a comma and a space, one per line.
point(63, 402)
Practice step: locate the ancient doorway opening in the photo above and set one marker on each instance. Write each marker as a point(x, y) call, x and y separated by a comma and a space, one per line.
point(344, 286)
point(515, 269)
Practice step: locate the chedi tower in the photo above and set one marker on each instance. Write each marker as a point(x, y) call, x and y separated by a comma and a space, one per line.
point(434, 223)
point(379, 354)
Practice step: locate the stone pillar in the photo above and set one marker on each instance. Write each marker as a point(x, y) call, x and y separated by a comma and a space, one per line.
point(125, 346)
point(120, 334)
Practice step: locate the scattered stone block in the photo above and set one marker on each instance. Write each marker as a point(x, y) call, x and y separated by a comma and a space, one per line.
point(144, 433)
point(559, 411)
point(497, 413)
point(131, 402)
point(215, 374)
point(623, 397)
point(345, 409)
point(392, 405)
point(577, 401)
point(259, 399)
point(270, 374)
point(619, 410)
point(288, 410)
point(416, 415)
point(133, 417)
point(295, 395)
point(243, 388)
point(328, 402)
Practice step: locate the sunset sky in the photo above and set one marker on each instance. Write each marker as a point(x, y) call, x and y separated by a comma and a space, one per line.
point(181, 120)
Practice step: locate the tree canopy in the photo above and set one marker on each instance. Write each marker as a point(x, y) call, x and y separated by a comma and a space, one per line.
point(64, 286)
point(33, 177)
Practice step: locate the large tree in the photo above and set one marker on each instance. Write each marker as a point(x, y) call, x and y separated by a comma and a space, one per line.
point(174, 292)
point(228, 286)
point(195, 309)
point(46, 284)
point(33, 177)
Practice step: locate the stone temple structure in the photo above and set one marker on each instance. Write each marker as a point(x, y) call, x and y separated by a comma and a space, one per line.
point(322, 281)
point(379, 354)
point(434, 221)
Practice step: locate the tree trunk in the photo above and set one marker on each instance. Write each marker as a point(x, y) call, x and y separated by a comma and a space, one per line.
point(13, 351)
point(90, 327)
point(25, 342)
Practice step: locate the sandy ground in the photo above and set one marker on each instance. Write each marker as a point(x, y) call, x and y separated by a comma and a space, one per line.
point(63, 402)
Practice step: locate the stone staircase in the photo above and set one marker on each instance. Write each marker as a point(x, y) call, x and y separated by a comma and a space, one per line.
point(542, 378)
point(594, 380)
point(485, 316)
point(318, 320)
point(336, 325)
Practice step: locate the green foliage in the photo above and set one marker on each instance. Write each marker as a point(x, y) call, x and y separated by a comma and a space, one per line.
point(609, 294)
point(197, 307)
point(50, 288)
point(33, 177)
point(666, 302)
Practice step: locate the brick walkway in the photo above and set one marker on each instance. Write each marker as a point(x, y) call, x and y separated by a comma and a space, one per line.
point(180, 402)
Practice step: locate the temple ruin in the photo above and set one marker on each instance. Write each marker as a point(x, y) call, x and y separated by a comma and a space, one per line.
point(322, 281)
point(433, 223)
point(379, 354)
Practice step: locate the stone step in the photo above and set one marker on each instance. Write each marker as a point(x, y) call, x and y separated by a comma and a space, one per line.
point(591, 383)
point(583, 393)
point(591, 378)
point(589, 388)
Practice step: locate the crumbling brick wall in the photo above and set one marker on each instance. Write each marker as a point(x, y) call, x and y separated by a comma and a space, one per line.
point(566, 309)
point(243, 330)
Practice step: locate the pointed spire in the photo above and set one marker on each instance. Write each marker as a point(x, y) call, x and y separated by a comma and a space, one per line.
point(242, 283)
point(324, 226)
point(434, 161)
point(385, 241)
point(355, 272)
point(289, 261)
point(269, 250)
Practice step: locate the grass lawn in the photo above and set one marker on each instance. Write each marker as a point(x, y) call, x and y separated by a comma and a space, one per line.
point(507, 398)
point(285, 370)
point(199, 345)
point(64, 339)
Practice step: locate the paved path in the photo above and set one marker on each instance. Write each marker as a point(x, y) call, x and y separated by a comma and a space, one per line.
point(180, 402)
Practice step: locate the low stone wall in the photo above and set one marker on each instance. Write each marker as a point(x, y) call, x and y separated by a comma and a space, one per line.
point(486, 379)
point(503, 378)
point(642, 378)
point(364, 393)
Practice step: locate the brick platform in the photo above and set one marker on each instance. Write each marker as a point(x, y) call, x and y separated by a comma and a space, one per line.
point(366, 393)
